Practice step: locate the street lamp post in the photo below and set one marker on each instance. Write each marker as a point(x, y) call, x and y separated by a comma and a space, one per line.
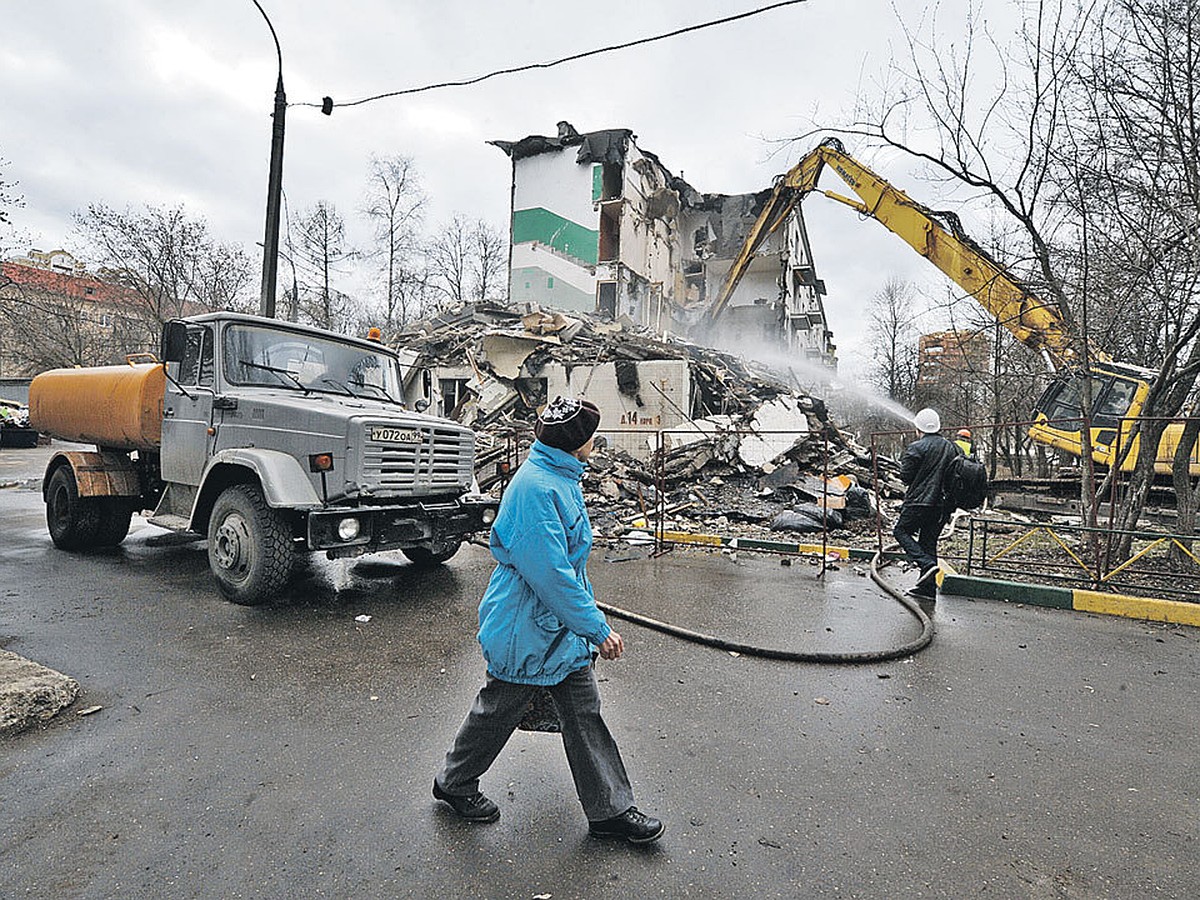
point(274, 186)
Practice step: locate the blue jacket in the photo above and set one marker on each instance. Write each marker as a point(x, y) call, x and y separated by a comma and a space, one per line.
point(538, 620)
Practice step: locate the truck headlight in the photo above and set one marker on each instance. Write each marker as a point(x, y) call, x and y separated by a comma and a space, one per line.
point(489, 516)
point(348, 528)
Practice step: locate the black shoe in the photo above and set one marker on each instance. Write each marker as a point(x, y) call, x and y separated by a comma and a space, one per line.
point(923, 593)
point(928, 576)
point(472, 807)
point(636, 827)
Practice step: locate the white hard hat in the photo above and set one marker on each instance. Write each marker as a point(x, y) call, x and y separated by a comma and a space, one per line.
point(928, 421)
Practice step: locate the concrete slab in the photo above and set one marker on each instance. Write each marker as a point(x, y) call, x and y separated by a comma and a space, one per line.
point(31, 693)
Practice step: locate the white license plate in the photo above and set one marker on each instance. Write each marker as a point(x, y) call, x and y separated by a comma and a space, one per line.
point(396, 435)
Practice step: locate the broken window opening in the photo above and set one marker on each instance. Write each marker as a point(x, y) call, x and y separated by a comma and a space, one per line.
point(628, 381)
point(613, 181)
point(606, 299)
point(532, 392)
point(610, 231)
point(453, 391)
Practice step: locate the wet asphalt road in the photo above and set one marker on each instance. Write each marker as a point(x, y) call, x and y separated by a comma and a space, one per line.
point(288, 751)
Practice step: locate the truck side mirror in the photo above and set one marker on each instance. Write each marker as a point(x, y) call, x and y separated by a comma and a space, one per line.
point(174, 341)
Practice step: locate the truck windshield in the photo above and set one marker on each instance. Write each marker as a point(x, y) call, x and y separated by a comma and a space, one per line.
point(263, 356)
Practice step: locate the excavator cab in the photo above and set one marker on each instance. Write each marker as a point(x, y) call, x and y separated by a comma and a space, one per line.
point(1118, 395)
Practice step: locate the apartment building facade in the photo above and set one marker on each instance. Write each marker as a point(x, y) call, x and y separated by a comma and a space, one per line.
point(601, 225)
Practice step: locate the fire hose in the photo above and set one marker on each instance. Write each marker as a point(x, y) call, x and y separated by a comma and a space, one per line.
point(813, 656)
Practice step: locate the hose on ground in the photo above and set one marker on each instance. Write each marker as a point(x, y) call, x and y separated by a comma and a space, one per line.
point(857, 656)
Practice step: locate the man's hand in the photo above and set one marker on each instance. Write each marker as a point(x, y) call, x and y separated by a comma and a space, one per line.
point(613, 646)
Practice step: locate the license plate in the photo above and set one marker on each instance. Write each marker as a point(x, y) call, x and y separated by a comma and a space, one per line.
point(396, 435)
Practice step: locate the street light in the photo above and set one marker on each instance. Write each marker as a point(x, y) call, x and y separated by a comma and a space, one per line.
point(266, 303)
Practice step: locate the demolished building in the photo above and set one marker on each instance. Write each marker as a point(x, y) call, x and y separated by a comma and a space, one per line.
point(614, 261)
point(600, 225)
point(691, 433)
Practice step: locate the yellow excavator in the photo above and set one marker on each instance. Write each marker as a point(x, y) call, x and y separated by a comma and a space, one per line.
point(1118, 389)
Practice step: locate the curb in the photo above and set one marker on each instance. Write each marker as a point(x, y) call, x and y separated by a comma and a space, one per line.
point(1174, 612)
point(31, 693)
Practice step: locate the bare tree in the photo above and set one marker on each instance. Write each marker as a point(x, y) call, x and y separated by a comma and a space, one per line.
point(466, 260)
point(447, 258)
point(167, 259)
point(395, 206)
point(41, 328)
point(893, 334)
point(1090, 150)
point(488, 260)
point(9, 198)
point(1002, 146)
point(320, 249)
point(1129, 173)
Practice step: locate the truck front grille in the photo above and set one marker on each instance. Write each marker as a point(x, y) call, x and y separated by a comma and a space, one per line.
point(439, 463)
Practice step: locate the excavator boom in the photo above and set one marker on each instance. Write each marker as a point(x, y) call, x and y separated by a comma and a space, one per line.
point(937, 236)
point(1118, 390)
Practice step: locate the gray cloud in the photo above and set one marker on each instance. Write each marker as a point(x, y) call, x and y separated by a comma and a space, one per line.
point(134, 101)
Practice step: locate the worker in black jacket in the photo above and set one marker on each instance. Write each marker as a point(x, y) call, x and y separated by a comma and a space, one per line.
point(924, 512)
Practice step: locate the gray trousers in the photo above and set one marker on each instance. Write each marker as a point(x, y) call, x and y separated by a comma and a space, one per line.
point(600, 779)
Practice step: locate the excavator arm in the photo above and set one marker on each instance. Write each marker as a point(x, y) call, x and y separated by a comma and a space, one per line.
point(937, 236)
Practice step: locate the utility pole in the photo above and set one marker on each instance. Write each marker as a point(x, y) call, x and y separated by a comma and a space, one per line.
point(266, 306)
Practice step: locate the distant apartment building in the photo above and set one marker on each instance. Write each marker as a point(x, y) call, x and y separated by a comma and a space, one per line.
point(601, 225)
point(55, 313)
point(953, 372)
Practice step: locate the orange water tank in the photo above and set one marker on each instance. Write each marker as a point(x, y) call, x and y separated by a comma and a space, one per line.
point(110, 406)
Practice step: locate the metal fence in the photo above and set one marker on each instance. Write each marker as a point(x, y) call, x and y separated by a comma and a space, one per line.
point(1050, 546)
point(1046, 540)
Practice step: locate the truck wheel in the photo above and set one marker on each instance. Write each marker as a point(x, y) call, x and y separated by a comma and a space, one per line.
point(422, 556)
point(74, 521)
point(249, 546)
point(114, 517)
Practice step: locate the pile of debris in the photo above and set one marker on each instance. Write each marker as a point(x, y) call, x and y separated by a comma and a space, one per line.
point(701, 438)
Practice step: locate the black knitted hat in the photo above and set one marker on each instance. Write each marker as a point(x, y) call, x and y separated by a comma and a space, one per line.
point(567, 423)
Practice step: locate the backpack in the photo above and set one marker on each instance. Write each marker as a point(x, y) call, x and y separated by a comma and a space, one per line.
point(965, 482)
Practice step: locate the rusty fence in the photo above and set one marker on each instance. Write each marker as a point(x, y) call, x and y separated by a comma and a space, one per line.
point(1041, 544)
point(653, 522)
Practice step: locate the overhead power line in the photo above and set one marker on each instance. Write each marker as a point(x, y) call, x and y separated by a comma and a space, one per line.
point(327, 105)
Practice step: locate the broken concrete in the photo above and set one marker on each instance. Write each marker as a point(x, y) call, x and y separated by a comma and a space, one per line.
point(700, 437)
point(31, 693)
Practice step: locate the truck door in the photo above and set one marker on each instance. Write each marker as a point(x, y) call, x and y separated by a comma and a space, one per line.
point(188, 411)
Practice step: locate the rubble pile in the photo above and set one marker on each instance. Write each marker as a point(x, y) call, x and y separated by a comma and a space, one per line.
point(748, 455)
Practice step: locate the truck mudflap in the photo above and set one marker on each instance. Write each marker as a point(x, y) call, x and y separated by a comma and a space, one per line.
point(433, 525)
point(105, 474)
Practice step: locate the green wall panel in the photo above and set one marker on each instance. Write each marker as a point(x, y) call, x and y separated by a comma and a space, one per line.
point(565, 236)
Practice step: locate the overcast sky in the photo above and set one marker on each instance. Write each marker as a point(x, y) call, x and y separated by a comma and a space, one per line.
point(132, 102)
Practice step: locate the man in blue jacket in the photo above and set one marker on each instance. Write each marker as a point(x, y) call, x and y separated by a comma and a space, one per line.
point(539, 627)
point(923, 512)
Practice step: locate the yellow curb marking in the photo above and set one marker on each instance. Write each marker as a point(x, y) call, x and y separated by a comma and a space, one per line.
point(1148, 608)
point(687, 537)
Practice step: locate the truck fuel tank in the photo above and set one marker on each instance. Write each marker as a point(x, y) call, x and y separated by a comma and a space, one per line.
point(110, 406)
